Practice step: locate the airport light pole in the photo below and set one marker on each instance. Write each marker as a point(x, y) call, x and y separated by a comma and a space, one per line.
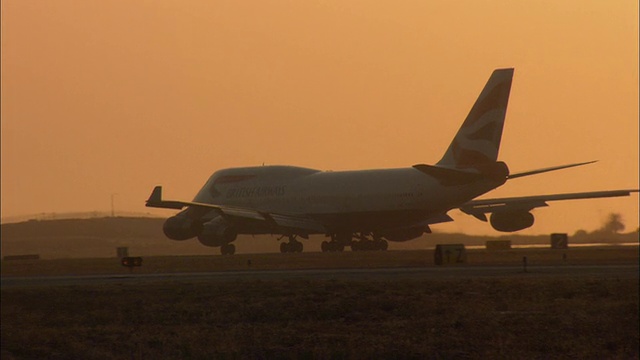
point(113, 209)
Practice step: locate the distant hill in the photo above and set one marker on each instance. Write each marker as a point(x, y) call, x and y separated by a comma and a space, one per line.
point(99, 237)
point(105, 227)
point(73, 216)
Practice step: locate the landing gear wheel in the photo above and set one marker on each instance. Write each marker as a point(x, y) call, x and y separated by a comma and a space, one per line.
point(383, 245)
point(292, 245)
point(365, 245)
point(228, 249)
point(338, 242)
point(325, 246)
point(335, 246)
point(355, 246)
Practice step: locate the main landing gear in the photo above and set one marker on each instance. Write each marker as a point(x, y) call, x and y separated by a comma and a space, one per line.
point(369, 245)
point(358, 242)
point(332, 246)
point(291, 246)
point(228, 249)
point(337, 243)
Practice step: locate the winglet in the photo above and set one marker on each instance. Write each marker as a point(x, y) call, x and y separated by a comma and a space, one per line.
point(156, 195)
point(155, 200)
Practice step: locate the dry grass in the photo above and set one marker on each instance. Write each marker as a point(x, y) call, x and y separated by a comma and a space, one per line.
point(472, 318)
point(500, 317)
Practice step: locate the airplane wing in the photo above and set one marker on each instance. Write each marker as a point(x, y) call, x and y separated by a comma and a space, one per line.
point(554, 168)
point(283, 220)
point(479, 208)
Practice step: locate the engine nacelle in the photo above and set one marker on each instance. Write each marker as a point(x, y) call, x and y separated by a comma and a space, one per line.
point(180, 228)
point(217, 232)
point(511, 221)
point(402, 234)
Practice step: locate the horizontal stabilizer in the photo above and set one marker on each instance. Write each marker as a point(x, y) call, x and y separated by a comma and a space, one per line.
point(438, 219)
point(544, 170)
point(479, 207)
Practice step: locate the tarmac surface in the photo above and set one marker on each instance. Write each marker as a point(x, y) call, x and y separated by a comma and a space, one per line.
point(375, 274)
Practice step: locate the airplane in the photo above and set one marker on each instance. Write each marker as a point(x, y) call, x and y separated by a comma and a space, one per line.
point(366, 208)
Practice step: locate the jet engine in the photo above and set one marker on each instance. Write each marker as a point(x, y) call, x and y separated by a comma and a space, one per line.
point(217, 232)
point(180, 228)
point(402, 234)
point(511, 221)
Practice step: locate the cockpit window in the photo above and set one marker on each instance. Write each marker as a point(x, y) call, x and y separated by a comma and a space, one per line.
point(226, 179)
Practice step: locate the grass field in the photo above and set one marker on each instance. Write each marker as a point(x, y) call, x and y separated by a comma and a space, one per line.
point(515, 317)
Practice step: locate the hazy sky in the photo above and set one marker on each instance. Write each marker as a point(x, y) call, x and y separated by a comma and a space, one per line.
point(114, 97)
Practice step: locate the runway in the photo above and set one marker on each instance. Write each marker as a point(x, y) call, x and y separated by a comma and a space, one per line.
point(377, 274)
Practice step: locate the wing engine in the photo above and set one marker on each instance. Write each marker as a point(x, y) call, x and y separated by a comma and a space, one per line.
point(511, 221)
point(217, 232)
point(181, 228)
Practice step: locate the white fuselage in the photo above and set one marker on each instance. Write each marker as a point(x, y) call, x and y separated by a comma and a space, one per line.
point(302, 191)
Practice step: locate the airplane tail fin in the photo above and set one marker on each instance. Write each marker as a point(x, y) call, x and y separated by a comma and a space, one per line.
point(478, 140)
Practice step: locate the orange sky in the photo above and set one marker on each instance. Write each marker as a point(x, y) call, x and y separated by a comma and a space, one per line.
point(114, 97)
